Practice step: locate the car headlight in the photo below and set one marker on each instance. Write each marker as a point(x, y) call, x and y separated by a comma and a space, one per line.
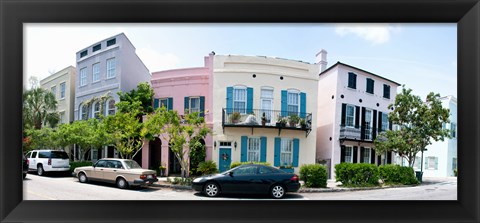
point(196, 180)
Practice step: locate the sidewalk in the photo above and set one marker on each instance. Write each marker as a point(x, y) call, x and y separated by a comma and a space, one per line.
point(332, 186)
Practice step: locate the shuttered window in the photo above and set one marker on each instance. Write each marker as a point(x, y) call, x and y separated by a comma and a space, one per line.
point(366, 155)
point(370, 83)
point(352, 80)
point(386, 91)
point(239, 100)
point(348, 154)
point(385, 122)
point(253, 150)
point(293, 102)
point(286, 152)
point(350, 116)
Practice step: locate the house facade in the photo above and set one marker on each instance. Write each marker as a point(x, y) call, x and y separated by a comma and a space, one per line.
point(353, 109)
point(184, 90)
point(250, 95)
point(103, 69)
point(440, 158)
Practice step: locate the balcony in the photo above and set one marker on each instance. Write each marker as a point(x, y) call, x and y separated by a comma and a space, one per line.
point(366, 134)
point(262, 118)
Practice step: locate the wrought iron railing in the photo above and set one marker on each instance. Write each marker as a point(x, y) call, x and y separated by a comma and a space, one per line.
point(266, 118)
point(357, 133)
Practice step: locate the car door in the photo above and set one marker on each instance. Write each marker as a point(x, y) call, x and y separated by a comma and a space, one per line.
point(97, 170)
point(265, 178)
point(111, 171)
point(33, 161)
point(244, 179)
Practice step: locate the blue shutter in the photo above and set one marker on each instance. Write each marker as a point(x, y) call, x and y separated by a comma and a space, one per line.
point(284, 103)
point(229, 100)
point(303, 105)
point(186, 104)
point(249, 100)
point(243, 154)
point(155, 103)
point(276, 161)
point(170, 104)
point(202, 106)
point(296, 149)
point(263, 149)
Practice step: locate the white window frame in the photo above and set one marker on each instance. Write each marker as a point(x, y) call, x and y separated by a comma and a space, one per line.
point(111, 67)
point(253, 150)
point(163, 101)
point(95, 112)
point(293, 100)
point(349, 154)
point(109, 109)
point(385, 124)
point(53, 89)
point(368, 128)
point(430, 164)
point(367, 153)
point(83, 76)
point(96, 72)
point(453, 129)
point(267, 99)
point(63, 88)
point(352, 117)
point(83, 112)
point(238, 99)
point(286, 152)
point(192, 109)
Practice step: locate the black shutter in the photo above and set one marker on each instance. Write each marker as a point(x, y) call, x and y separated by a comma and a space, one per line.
point(344, 110)
point(390, 125)
point(372, 151)
point(374, 128)
point(362, 127)
point(362, 154)
point(357, 117)
point(379, 121)
point(342, 154)
point(379, 160)
point(355, 154)
point(389, 157)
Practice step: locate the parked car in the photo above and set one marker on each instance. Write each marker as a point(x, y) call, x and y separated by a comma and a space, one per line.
point(248, 178)
point(43, 161)
point(24, 166)
point(122, 172)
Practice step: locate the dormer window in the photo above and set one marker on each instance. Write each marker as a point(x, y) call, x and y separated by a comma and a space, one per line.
point(83, 53)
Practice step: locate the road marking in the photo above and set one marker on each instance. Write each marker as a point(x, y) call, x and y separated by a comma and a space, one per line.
point(41, 195)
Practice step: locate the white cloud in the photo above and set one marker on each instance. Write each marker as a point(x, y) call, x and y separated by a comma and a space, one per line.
point(374, 33)
point(156, 61)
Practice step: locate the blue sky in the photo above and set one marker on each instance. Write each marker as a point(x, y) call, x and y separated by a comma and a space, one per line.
point(421, 56)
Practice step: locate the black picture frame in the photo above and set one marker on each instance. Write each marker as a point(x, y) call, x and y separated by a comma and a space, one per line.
point(13, 13)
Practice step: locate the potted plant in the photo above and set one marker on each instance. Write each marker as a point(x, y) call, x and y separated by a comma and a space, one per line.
point(235, 117)
point(293, 120)
point(303, 123)
point(281, 122)
point(264, 119)
point(161, 169)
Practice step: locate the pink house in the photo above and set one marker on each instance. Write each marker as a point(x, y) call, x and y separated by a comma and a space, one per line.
point(180, 89)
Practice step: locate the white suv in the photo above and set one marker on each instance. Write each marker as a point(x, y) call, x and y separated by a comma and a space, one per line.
point(48, 160)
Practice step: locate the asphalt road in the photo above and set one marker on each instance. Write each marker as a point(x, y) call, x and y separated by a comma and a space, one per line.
point(58, 187)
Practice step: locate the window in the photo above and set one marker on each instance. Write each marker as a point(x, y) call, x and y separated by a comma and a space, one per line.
point(62, 90)
point(84, 112)
point(348, 154)
point(111, 42)
point(62, 117)
point(96, 47)
point(386, 91)
point(83, 53)
point(293, 102)
point(286, 152)
point(240, 99)
point(366, 155)
point(253, 150)
point(44, 155)
point(431, 163)
point(352, 80)
point(417, 164)
point(245, 170)
point(266, 170)
point(96, 110)
point(96, 72)
point(350, 116)
point(453, 130)
point(101, 163)
point(385, 124)
point(194, 105)
point(111, 68)
point(454, 163)
point(54, 91)
point(111, 107)
point(83, 76)
point(368, 124)
point(370, 83)
point(266, 98)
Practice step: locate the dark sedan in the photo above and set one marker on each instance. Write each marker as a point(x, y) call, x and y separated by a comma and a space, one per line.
point(24, 166)
point(249, 178)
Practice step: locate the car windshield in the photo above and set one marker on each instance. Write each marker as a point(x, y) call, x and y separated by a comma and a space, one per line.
point(59, 154)
point(131, 164)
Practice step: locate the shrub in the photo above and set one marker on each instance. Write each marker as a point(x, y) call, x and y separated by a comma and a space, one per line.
point(208, 167)
point(181, 181)
point(76, 164)
point(395, 174)
point(235, 164)
point(357, 174)
point(314, 175)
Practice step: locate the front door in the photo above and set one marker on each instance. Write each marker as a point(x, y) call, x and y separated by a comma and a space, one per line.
point(224, 159)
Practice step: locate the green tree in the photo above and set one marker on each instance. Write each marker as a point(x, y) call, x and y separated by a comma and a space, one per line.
point(143, 94)
point(420, 123)
point(178, 130)
point(38, 105)
point(86, 134)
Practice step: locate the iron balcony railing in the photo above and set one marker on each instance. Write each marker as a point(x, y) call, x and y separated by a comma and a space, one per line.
point(356, 133)
point(266, 118)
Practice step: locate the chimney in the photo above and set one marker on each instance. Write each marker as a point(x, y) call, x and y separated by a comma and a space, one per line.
point(322, 60)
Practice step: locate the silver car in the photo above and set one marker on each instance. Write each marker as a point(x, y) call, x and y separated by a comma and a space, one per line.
point(122, 172)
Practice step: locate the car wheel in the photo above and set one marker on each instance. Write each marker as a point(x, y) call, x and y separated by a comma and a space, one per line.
point(277, 191)
point(24, 175)
point(40, 170)
point(122, 183)
point(211, 189)
point(82, 178)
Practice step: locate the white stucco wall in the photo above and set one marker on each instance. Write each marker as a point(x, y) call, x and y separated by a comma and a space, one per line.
point(65, 105)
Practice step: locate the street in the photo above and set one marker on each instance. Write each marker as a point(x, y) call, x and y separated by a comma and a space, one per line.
point(57, 187)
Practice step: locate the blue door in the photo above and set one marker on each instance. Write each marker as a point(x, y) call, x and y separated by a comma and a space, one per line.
point(224, 159)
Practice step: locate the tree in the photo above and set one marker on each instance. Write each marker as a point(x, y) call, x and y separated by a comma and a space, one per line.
point(86, 134)
point(38, 105)
point(180, 131)
point(143, 94)
point(420, 123)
